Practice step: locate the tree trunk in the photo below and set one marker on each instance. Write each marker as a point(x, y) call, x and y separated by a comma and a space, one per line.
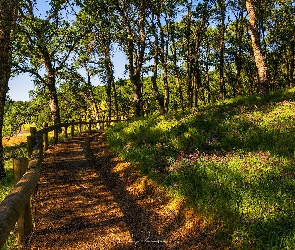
point(137, 95)
point(188, 58)
point(256, 46)
point(158, 96)
point(135, 42)
point(154, 78)
point(195, 53)
point(198, 83)
point(163, 57)
point(175, 67)
point(92, 98)
point(8, 11)
point(292, 63)
point(115, 100)
point(207, 83)
point(238, 57)
point(53, 100)
point(222, 7)
point(110, 79)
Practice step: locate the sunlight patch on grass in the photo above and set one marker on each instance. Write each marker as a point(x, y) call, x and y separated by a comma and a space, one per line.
point(234, 162)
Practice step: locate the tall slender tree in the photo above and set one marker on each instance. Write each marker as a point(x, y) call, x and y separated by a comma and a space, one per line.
point(256, 45)
point(222, 9)
point(132, 38)
point(8, 13)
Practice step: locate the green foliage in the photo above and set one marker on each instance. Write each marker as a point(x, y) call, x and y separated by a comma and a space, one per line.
point(6, 183)
point(233, 161)
point(16, 114)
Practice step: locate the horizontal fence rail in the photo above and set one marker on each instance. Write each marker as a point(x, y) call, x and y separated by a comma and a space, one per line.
point(14, 204)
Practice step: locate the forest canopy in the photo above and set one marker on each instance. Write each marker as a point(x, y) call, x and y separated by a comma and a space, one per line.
point(180, 54)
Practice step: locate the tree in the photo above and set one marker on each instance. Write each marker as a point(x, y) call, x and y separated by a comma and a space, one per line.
point(8, 13)
point(17, 113)
point(222, 9)
point(95, 50)
point(132, 37)
point(44, 44)
point(258, 55)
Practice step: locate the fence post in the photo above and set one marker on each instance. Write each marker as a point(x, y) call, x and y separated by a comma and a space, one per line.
point(45, 136)
point(24, 223)
point(33, 131)
point(30, 145)
point(31, 141)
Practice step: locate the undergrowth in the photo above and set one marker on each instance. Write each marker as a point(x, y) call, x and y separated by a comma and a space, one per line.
point(233, 161)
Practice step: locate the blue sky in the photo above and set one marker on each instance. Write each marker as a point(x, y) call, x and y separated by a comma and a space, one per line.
point(21, 85)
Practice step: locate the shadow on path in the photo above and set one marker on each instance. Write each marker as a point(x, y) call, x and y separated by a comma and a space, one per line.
point(89, 199)
point(135, 217)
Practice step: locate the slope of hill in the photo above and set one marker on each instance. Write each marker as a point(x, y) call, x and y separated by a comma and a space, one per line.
point(234, 162)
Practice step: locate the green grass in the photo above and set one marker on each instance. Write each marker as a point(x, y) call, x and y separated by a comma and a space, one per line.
point(6, 184)
point(10, 152)
point(233, 161)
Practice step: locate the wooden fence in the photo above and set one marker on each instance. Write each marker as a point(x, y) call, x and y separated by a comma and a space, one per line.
point(16, 206)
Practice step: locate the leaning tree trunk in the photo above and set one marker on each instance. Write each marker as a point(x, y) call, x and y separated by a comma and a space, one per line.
point(258, 56)
point(8, 10)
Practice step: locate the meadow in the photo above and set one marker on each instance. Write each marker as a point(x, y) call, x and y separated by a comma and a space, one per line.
point(234, 162)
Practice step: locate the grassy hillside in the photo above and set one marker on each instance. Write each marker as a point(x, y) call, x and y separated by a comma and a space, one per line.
point(233, 161)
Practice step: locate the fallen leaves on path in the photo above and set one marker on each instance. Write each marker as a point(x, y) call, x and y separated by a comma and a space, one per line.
point(88, 198)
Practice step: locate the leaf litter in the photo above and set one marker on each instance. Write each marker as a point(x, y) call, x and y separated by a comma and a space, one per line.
point(88, 198)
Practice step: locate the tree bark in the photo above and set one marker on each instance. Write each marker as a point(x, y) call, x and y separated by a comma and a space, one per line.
point(8, 12)
point(92, 98)
point(115, 100)
point(195, 53)
point(163, 58)
point(53, 100)
point(176, 70)
point(222, 7)
point(159, 97)
point(110, 78)
point(135, 45)
point(292, 63)
point(188, 58)
point(256, 46)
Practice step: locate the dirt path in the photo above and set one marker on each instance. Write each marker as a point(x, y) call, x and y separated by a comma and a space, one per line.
point(89, 199)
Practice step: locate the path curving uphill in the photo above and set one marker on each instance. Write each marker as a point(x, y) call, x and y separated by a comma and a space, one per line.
point(87, 198)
